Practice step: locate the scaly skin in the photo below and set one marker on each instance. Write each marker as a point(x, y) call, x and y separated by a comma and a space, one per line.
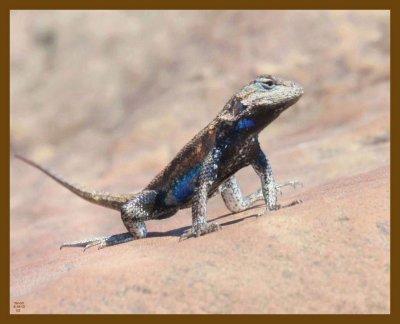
point(206, 165)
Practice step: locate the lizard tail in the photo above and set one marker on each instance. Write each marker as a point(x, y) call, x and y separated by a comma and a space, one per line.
point(113, 201)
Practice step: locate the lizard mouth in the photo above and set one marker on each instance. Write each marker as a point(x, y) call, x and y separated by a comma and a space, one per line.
point(290, 103)
point(297, 92)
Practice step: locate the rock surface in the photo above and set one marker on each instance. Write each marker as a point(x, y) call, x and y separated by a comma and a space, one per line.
point(109, 104)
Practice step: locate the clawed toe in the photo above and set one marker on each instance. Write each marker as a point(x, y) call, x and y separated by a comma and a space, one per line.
point(186, 234)
point(199, 230)
point(100, 242)
point(279, 206)
point(294, 184)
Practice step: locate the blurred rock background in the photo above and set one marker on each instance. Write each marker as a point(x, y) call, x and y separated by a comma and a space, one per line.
point(107, 98)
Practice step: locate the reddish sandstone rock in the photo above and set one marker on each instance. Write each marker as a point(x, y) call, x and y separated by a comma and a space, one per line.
point(107, 107)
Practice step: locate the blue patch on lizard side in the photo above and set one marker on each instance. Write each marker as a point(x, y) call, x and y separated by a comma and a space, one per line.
point(245, 124)
point(184, 187)
point(262, 160)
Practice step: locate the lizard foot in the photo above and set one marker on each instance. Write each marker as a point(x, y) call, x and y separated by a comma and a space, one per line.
point(277, 207)
point(100, 242)
point(293, 184)
point(200, 229)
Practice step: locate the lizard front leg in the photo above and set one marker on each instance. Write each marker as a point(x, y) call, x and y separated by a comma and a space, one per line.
point(208, 174)
point(236, 202)
point(133, 214)
point(269, 188)
point(233, 198)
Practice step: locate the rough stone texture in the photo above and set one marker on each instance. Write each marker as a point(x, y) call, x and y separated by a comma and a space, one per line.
point(108, 98)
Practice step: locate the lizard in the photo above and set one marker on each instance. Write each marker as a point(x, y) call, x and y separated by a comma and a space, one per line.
point(205, 166)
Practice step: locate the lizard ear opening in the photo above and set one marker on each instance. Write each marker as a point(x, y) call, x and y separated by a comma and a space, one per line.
point(232, 110)
point(237, 107)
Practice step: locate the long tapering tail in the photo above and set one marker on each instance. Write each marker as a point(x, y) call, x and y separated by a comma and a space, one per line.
point(113, 201)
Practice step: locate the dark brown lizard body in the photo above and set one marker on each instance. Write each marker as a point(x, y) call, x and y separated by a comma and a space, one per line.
point(205, 165)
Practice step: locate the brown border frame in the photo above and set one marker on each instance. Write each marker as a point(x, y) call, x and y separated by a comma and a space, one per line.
point(7, 5)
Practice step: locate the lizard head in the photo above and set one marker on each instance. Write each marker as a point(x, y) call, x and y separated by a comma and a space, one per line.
point(262, 100)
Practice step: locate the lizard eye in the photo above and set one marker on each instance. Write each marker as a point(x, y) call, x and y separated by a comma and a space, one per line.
point(268, 84)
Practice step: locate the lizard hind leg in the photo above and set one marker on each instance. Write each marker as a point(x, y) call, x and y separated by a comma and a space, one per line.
point(136, 211)
point(133, 214)
point(137, 230)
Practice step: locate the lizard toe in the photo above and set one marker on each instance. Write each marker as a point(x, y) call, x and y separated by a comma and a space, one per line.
point(200, 230)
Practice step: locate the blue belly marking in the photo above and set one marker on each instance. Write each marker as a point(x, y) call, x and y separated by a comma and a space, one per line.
point(184, 187)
